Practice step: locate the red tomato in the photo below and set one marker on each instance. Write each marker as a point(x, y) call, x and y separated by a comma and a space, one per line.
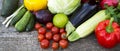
point(40, 37)
point(42, 30)
point(62, 30)
point(63, 43)
point(48, 35)
point(56, 37)
point(63, 35)
point(44, 43)
point(49, 25)
point(37, 26)
point(55, 29)
point(55, 45)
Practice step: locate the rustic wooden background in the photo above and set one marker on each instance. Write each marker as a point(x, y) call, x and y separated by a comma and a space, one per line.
point(10, 40)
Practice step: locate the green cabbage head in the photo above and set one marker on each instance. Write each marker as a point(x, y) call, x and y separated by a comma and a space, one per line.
point(63, 6)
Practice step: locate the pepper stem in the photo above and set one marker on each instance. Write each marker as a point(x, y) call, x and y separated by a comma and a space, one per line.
point(109, 28)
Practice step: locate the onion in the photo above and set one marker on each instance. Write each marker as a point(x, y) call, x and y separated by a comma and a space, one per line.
point(43, 16)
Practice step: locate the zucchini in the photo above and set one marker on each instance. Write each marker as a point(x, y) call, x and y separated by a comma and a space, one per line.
point(31, 23)
point(22, 23)
point(88, 26)
point(81, 15)
point(8, 7)
point(9, 18)
point(18, 16)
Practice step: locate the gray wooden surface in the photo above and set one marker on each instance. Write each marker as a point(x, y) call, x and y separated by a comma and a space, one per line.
point(10, 40)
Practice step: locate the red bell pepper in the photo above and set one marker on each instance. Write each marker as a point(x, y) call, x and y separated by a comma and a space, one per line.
point(109, 3)
point(108, 33)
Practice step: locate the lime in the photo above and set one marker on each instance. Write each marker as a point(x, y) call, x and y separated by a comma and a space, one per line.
point(60, 20)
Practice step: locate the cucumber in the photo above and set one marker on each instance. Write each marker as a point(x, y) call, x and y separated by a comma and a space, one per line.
point(18, 16)
point(21, 25)
point(88, 26)
point(8, 7)
point(31, 23)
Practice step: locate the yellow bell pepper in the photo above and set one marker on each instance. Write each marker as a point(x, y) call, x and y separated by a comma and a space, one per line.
point(35, 5)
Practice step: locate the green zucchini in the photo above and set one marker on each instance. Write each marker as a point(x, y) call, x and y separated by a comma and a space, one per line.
point(8, 7)
point(18, 16)
point(88, 26)
point(22, 23)
point(31, 23)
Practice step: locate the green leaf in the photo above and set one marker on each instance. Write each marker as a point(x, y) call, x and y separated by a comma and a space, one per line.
point(118, 7)
point(118, 15)
point(119, 21)
point(110, 10)
point(115, 19)
point(114, 12)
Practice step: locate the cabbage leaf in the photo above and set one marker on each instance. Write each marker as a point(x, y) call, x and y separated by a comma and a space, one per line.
point(63, 6)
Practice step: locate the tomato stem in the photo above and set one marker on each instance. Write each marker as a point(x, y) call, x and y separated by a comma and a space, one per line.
point(109, 28)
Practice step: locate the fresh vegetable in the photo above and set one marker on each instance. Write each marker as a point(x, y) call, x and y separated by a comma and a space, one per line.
point(55, 29)
point(30, 24)
point(109, 3)
point(21, 18)
point(81, 15)
point(40, 37)
point(35, 5)
point(44, 43)
point(55, 45)
point(63, 36)
point(48, 35)
point(8, 7)
point(21, 25)
point(88, 26)
point(108, 33)
point(60, 20)
point(62, 30)
point(56, 37)
point(63, 43)
point(62, 6)
point(9, 18)
point(42, 30)
point(18, 16)
point(37, 26)
point(49, 25)
point(54, 34)
point(114, 12)
point(43, 16)
point(110, 29)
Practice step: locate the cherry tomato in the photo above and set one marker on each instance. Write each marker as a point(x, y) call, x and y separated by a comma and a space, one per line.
point(63, 35)
point(40, 37)
point(56, 37)
point(42, 30)
point(62, 30)
point(37, 26)
point(55, 45)
point(49, 25)
point(48, 35)
point(44, 43)
point(63, 43)
point(55, 29)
